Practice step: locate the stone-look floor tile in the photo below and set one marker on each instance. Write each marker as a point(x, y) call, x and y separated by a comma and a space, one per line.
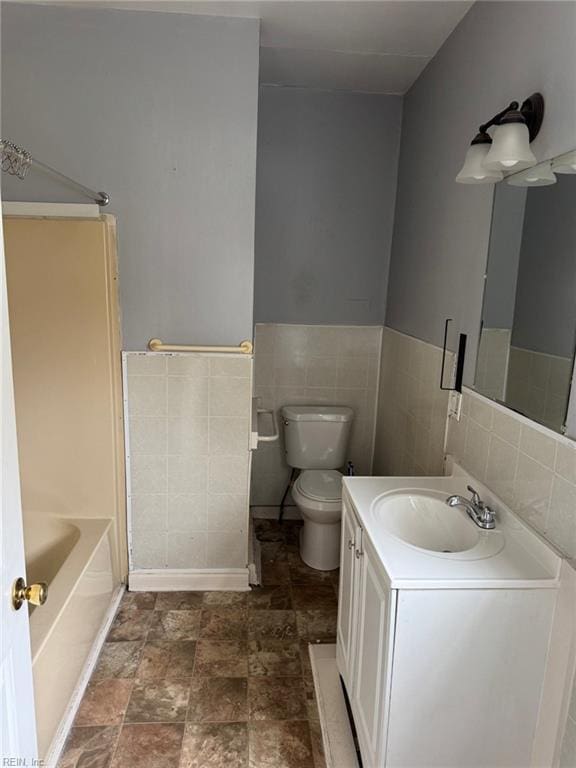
point(221, 745)
point(271, 598)
point(104, 702)
point(274, 551)
point(120, 659)
point(268, 530)
point(130, 624)
point(89, 747)
point(305, 658)
point(149, 745)
point(167, 659)
point(179, 601)
point(276, 698)
point(212, 599)
point(278, 624)
point(221, 658)
point(317, 626)
point(300, 573)
point(280, 745)
point(218, 700)
point(143, 600)
point(292, 530)
point(163, 701)
point(319, 597)
point(224, 623)
point(317, 745)
point(271, 658)
point(175, 625)
point(275, 572)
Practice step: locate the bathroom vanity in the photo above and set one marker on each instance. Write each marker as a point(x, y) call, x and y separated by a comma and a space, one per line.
point(455, 644)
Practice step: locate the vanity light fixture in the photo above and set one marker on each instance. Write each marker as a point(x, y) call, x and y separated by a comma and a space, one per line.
point(540, 175)
point(565, 163)
point(474, 171)
point(509, 150)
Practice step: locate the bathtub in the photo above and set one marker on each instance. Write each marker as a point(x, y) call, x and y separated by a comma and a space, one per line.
point(74, 557)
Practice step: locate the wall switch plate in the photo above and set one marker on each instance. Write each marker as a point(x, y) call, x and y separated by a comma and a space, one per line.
point(455, 405)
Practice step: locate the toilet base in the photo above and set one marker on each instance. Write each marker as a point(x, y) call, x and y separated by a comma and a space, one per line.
point(320, 545)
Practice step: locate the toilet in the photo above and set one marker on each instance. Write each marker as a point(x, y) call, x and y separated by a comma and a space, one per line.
point(316, 438)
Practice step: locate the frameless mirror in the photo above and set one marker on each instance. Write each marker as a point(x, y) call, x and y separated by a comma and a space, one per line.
point(528, 333)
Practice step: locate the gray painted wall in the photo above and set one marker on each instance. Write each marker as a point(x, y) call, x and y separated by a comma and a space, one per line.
point(500, 51)
point(504, 256)
point(326, 185)
point(160, 110)
point(545, 308)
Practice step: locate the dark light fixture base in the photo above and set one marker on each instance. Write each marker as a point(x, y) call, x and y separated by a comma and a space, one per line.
point(532, 110)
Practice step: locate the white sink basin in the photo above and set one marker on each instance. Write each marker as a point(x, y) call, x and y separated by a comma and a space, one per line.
point(421, 518)
point(425, 544)
point(427, 522)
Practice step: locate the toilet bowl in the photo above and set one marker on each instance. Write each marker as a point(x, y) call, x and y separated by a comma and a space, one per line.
point(318, 495)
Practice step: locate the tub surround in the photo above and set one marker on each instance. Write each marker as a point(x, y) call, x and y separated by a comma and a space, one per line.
point(412, 408)
point(314, 365)
point(188, 433)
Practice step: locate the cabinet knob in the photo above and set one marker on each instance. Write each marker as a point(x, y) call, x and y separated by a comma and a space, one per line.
point(359, 554)
point(350, 543)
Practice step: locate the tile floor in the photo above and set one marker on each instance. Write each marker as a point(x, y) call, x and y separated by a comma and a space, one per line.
point(214, 679)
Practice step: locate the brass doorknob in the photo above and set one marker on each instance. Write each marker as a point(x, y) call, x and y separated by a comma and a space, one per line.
point(35, 593)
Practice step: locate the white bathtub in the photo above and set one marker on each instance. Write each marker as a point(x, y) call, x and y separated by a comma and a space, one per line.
point(74, 557)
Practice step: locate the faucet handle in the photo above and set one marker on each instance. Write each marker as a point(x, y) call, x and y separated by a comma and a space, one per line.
point(476, 500)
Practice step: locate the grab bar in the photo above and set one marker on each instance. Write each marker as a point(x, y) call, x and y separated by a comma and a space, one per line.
point(155, 345)
point(276, 434)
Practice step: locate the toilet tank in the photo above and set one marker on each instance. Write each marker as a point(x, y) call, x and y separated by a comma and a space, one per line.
point(316, 436)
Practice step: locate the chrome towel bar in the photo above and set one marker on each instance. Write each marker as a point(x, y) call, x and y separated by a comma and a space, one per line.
point(245, 347)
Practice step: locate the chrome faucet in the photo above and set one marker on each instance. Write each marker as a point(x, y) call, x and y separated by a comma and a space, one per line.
point(481, 513)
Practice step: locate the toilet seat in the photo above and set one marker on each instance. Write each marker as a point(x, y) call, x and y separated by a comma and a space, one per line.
point(323, 485)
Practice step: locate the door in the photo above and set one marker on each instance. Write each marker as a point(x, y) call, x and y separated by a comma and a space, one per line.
point(347, 600)
point(18, 727)
point(376, 607)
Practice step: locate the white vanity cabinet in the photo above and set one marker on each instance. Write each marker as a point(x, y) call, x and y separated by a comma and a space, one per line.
point(441, 677)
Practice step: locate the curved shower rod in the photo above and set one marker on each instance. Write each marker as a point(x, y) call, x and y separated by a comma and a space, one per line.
point(16, 161)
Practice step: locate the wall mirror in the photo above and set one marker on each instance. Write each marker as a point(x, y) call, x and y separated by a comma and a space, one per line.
point(528, 334)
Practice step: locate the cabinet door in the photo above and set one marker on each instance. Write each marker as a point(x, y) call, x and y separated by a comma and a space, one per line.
point(347, 602)
point(373, 657)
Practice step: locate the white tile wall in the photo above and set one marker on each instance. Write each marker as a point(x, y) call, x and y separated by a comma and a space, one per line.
point(539, 385)
point(530, 467)
point(314, 365)
point(411, 408)
point(188, 420)
point(492, 364)
point(534, 471)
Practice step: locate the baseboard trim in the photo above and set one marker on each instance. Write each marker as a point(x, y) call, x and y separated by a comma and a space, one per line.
point(190, 580)
point(59, 740)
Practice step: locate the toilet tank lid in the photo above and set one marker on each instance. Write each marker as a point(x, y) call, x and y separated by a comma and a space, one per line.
point(317, 413)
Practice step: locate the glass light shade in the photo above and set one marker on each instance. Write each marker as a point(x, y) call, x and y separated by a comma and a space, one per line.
point(474, 170)
point(510, 150)
point(540, 175)
point(565, 163)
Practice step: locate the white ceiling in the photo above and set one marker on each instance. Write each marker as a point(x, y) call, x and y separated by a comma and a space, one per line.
point(380, 46)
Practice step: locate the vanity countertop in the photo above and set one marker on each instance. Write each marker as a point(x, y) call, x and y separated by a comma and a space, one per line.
point(512, 556)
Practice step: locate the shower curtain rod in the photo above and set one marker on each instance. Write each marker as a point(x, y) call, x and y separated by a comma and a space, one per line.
point(16, 161)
